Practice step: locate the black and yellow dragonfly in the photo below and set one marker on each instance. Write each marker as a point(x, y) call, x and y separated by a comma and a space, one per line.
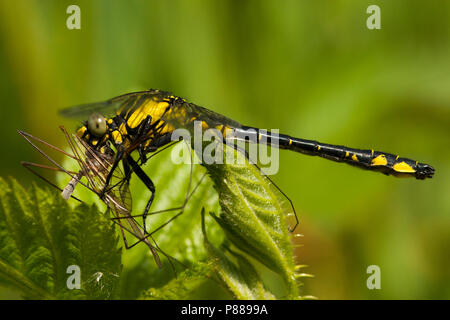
point(144, 122)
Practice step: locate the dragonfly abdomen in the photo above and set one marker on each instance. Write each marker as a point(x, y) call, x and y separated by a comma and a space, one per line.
point(386, 163)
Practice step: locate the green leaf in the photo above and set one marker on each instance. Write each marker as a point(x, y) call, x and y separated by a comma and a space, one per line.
point(41, 236)
point(241, 278)
point(254, 216)
point(187, 285)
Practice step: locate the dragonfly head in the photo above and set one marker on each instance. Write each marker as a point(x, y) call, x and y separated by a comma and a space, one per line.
point(95, 132)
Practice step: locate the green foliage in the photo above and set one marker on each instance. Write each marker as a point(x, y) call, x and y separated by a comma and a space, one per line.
point(41, 236)
point(241, 278)
point(185, 286)
point(254, 217)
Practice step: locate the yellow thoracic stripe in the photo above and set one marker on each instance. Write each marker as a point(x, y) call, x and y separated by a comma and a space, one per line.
point(117, 136)
point(151, 108)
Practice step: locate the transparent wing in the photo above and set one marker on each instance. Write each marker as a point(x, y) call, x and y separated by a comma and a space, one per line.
point(96, 167)
point(183, 115)
point(180, 115)
point(107, 107)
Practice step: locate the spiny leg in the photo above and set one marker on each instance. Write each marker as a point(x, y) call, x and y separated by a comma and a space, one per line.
point(161, 150)
point(144, 128)
point(128, 173)
point(181, 208)
point(147, 182)
point(128, 247)
point(188, 196)
point(119, 156)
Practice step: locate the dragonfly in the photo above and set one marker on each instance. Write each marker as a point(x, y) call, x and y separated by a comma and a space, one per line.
point(144, 122)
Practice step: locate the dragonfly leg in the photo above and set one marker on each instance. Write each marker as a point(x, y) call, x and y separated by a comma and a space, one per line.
point(163, 142)
point(144, 128)
point(118, 158)
point(148, 183)
point(126, 169)
point(122, 228)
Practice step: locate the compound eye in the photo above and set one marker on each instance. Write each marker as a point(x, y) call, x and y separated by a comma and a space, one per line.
point(97, 124)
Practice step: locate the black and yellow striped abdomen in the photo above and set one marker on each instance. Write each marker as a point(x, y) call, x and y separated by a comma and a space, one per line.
point(386, 163)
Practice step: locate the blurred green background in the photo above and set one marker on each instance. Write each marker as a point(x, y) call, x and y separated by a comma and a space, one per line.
point(310, 68)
